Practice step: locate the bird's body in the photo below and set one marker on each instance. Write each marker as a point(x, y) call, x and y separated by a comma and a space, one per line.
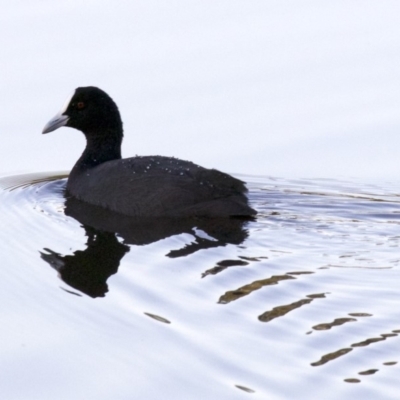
point(151, 186)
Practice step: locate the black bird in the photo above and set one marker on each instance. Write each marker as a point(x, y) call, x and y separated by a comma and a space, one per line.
point(150, 186)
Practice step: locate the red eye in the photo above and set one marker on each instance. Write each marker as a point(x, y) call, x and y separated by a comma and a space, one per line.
point(80, 105)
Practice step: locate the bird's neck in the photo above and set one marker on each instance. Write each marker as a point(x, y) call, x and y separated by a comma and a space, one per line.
point(100, 147)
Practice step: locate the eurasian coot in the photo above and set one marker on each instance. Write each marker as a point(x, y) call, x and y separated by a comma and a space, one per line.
point(149, 186)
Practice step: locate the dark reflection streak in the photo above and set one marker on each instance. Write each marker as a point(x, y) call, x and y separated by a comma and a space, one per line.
point(352, 380)
point(369, 371)
point(368, 342)
point(388, 335)
point(332, 356)
point(336, 322)
point(223, 265)
point(359, 314)
point(245, 389)
point(199, 244)
point(158, 318)
point(317, 295)
point(280, 311)
point(233, 295)
point(71, 292)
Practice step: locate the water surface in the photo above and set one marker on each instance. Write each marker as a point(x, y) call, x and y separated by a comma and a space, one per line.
point(301, 303)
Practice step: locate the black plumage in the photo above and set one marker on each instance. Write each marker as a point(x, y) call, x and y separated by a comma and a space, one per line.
point(150, 186)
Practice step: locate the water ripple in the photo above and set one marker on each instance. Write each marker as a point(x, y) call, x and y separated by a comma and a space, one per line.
point(207, 303)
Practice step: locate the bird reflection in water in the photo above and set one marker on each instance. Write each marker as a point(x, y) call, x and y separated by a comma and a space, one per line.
point(88, 270)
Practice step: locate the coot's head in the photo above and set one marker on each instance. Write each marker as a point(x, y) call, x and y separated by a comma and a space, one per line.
point(89, 110)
